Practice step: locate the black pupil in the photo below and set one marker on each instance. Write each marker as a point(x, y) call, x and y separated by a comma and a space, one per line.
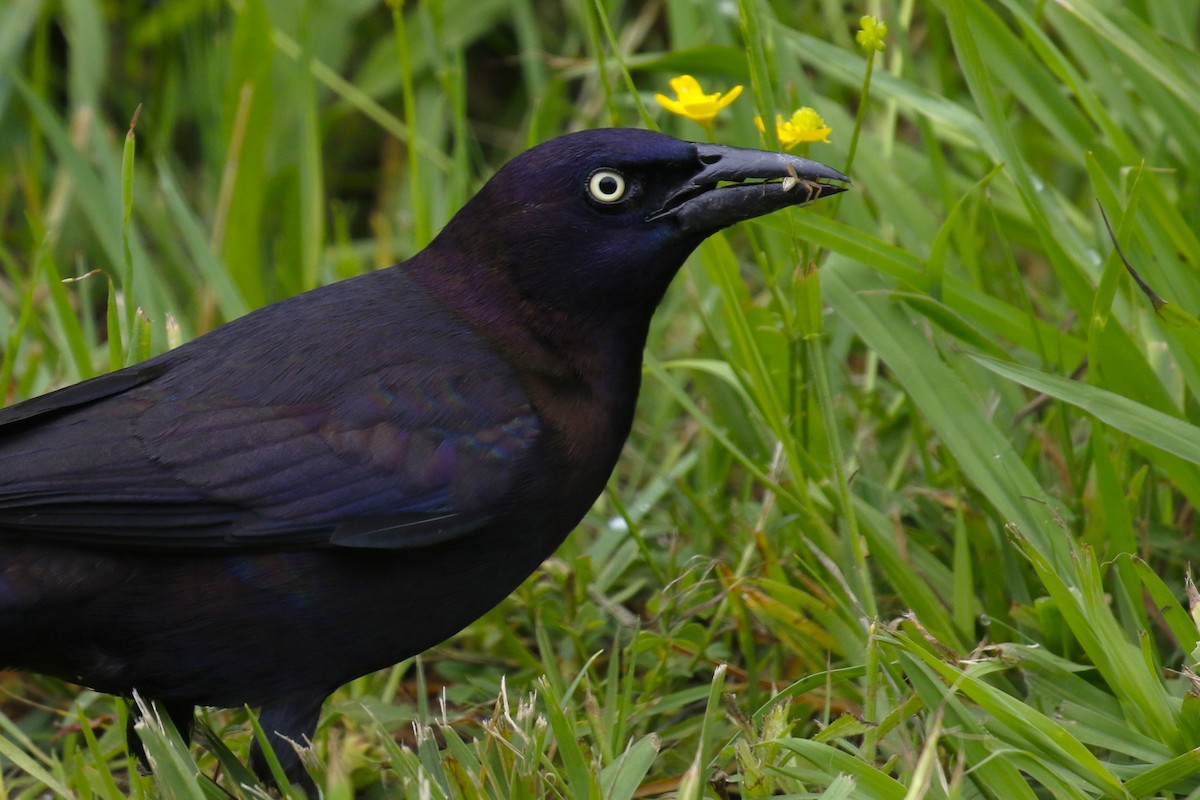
point(608, 185)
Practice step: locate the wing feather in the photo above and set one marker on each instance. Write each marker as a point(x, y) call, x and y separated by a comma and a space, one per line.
point(391, 427)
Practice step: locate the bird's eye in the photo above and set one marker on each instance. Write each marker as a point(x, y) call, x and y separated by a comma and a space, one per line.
point(607, 186)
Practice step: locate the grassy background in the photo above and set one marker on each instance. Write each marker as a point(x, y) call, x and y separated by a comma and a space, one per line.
point(916, 523)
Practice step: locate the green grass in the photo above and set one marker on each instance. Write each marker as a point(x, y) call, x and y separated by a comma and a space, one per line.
point(908, 508)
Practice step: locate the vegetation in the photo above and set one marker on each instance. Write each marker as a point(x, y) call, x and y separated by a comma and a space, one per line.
point(908, 509)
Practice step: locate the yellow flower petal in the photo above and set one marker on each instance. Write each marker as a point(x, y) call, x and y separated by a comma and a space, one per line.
point(674, 106)
point(730, 96)
point(692, 102)
point(805, 125)
point(685, 86)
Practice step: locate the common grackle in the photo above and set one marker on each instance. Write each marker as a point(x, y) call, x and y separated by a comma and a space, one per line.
point(345, 478)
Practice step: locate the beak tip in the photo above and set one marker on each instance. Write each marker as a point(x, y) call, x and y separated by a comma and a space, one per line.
point(817, 170)
point(764, 181)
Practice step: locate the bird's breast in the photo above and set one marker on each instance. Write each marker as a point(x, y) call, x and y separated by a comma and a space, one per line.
point(584, 429)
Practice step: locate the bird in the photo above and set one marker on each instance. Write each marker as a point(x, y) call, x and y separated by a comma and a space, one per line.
point(343, 479)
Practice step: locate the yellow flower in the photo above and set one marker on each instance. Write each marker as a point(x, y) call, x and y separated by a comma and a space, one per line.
point(805, 125)
point(693, 103)
point(871, 33)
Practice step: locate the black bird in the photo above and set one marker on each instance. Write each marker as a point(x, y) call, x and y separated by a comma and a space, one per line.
point(340, 480)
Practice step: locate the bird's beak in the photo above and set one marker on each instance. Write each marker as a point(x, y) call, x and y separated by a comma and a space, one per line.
point(737, 183)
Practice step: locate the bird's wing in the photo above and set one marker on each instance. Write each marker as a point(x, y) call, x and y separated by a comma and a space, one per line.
point(79, 394)
point(224, 446)
point(406, 456)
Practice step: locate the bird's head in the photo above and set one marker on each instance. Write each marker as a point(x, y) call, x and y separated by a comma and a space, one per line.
point(600, 221)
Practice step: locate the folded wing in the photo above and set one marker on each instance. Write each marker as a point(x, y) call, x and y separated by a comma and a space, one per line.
point(390, 428)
